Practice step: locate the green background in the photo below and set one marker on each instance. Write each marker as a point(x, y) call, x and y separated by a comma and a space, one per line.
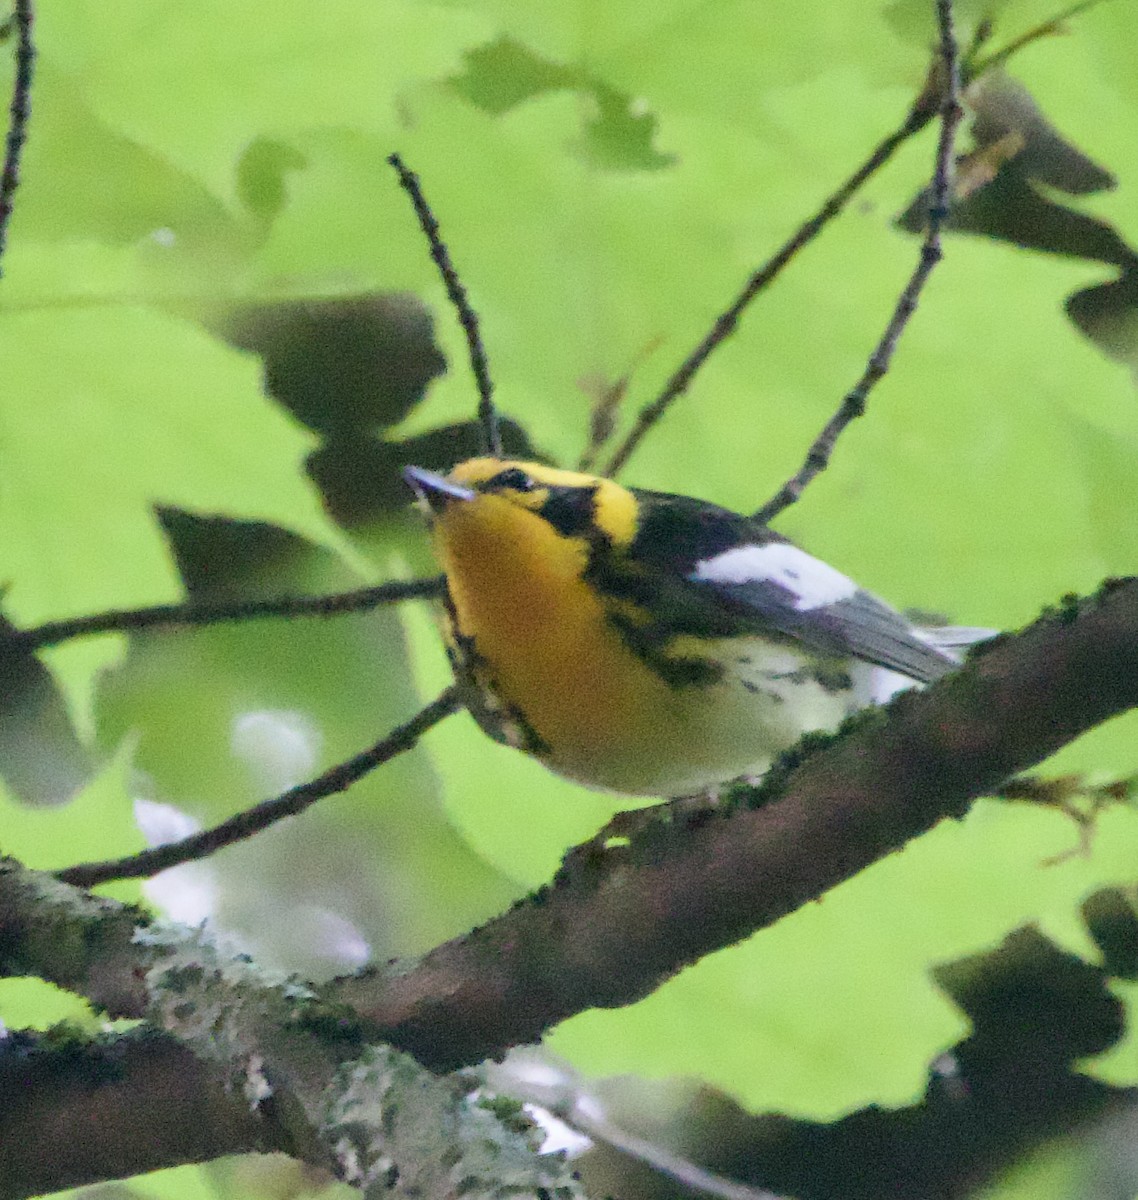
point(606, 177)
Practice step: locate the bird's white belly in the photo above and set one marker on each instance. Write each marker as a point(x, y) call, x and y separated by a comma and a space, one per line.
point(769, 695)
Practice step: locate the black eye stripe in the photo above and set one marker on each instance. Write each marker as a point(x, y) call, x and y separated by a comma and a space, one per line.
point(570, 510)
point(512, 478)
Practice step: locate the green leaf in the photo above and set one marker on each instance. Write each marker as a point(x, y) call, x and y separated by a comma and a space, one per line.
point(108, 413)
point(1119, 1065)
point(34, 1004)
point(98, 823)
point(246, 68)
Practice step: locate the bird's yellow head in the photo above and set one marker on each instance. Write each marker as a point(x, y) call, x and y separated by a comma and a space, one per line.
point(497, 509)
point(530, 634)
point(514, 540)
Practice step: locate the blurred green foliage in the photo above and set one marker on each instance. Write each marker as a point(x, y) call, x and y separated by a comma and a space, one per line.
point(606, 177)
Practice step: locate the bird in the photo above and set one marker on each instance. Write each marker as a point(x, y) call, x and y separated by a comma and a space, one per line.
point(647, 643)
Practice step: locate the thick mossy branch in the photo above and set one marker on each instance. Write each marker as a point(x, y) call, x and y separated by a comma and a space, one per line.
point(371, 1114)
point(254, 1051)
point(153, 1103)
point(395, 1126)
point(617, 922)
point(81, 942)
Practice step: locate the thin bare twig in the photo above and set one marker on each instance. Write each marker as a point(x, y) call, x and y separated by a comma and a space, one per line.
point(19, 110)
point(609, 398)
point(456, 293)
point(922, 111)
point(252, 820)
point(180, 616)
point(976, 66)
point(683, 1171)
point(853, 403)
point(537, 1080)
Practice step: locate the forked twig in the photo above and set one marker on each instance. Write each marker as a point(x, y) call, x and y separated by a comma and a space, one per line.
point(19, 110)
point(268, 812)
point(922, 111)
point(180, 616)
point(853, 403)
point(978, 66)
point(456, 293)
point(689, 1175)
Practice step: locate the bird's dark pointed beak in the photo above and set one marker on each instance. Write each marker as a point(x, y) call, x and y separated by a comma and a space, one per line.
point(435, 491)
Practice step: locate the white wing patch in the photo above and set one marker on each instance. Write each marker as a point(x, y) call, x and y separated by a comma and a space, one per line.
point(809, 581)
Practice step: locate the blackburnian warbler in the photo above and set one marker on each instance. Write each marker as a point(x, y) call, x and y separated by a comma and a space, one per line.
point(648, 643)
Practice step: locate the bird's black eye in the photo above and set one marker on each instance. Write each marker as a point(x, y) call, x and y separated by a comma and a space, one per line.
point(514, 479)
